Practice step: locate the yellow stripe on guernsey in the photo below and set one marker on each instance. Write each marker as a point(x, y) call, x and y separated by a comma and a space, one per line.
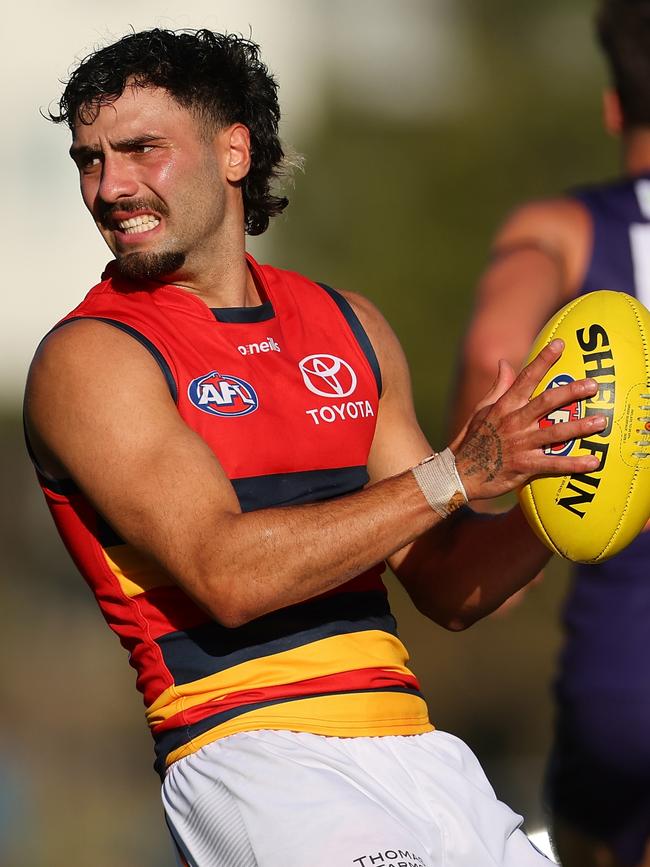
point(344, 716)
point(135, 572)
point(339, 653)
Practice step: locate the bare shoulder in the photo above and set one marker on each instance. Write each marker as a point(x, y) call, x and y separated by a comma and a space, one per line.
point(548, 219)
point(84, 353)
point(560, 228)
point(87, 373)
point(82, 341)
point(369, 314)
point(384, 340)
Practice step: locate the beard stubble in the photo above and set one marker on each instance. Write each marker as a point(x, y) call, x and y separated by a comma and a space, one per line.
point(148, 266)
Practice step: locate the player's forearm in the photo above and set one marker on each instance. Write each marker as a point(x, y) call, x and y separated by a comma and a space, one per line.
point(265, 560)
point(478, 564)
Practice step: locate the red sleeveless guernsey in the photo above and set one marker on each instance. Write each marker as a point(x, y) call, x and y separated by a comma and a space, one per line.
point(286, 395)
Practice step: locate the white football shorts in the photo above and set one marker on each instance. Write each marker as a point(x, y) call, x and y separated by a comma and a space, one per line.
point(289, 799)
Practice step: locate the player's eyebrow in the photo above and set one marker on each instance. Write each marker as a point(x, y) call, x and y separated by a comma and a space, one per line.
point(78, 152)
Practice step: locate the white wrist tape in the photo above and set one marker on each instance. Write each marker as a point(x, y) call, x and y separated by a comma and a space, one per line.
point(440, 483)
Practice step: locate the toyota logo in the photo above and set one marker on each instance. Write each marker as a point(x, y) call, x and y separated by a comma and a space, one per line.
point(328, 376)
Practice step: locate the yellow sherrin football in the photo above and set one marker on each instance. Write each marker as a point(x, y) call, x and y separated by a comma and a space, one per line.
point(590, 517)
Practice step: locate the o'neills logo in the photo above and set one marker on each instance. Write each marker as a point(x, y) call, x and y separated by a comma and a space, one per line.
point(599, 365)
point(222, 394)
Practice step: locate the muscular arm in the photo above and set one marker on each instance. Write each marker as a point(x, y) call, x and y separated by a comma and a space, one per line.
point(98, 411)
point(537, 264)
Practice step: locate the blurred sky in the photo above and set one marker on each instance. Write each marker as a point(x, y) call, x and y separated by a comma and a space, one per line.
point(53, 253)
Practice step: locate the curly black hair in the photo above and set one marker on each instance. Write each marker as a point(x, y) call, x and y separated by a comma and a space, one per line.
point(220, 77)
point(623, 29)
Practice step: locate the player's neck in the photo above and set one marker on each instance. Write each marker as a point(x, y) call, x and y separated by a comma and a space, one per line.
point(219, 274)
point(227, 284)
point(636, 151)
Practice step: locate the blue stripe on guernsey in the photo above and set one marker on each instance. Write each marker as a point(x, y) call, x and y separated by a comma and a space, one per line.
point(211, 648)
point(256, 492)
point(261, 492)
point(358, 330)
point(169, 741)
point(243, 315)
point(286, 489)
point(57, 486)
point(106, 535)
point(64, 487)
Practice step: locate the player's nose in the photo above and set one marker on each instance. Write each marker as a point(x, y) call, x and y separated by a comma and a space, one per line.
point(117, 180)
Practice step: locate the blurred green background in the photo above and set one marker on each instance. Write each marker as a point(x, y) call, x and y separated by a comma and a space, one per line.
point(400, 208)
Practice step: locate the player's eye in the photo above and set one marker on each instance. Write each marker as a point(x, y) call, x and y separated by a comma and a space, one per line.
point(87, 164)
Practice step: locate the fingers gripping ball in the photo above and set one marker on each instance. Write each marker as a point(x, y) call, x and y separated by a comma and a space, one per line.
point(589, 517)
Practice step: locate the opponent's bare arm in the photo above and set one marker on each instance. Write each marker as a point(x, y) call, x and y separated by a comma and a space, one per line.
point(99, 412)
point(537, 263)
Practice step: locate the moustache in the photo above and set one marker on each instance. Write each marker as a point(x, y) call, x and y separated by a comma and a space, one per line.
point(130, 206)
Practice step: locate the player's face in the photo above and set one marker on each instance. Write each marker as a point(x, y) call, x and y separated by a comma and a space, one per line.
point(154, 183)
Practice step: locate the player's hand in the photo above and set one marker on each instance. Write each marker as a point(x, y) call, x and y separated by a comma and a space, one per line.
point(502, 446)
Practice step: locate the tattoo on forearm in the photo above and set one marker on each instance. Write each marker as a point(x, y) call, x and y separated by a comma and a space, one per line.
point(483, 452)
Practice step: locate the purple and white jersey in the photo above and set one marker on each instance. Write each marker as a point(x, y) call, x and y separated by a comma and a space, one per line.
point(620, 256)
point(608, 608)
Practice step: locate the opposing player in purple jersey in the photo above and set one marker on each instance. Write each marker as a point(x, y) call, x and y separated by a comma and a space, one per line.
point(545, 254)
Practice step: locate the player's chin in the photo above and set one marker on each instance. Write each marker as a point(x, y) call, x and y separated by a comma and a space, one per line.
point(143, 264)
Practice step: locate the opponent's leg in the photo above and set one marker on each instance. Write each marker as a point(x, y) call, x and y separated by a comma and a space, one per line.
point(598, 781)
point(577, 849)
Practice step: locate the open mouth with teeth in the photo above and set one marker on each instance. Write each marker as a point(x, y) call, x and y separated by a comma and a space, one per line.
point(137, 225)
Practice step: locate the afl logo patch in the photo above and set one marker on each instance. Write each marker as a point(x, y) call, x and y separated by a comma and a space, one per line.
point(221, 394)
point(328, 375)
point(570, 412)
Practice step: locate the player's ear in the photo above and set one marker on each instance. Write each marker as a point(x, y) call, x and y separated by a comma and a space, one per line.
point(238, 141)
point(612, 112)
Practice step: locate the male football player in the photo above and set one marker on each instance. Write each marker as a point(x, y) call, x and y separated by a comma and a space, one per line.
point(230, 453)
